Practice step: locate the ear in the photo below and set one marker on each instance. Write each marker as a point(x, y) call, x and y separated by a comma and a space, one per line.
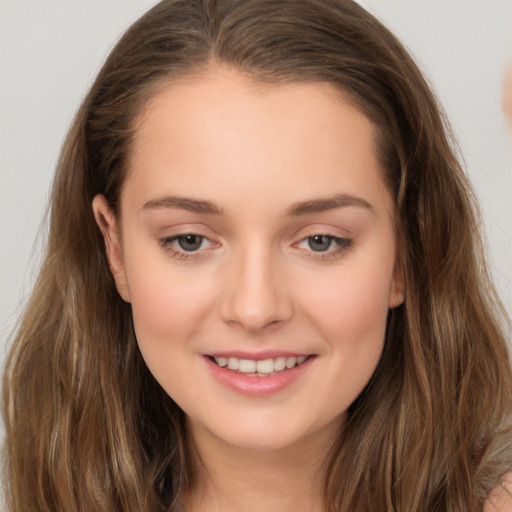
point(107, 223)
point(397, 292)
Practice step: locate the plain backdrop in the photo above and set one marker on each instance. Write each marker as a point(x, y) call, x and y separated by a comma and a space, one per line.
point(50, 51)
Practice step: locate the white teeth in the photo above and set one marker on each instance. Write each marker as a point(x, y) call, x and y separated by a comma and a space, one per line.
point(291, 362)
point(233, 363)
point(221, 361)
point(279, 364)
point(246, 366)
point(265, 366)
point(261, 368)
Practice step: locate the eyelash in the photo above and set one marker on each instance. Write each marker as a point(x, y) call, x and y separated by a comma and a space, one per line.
point(169, 244)
point(342, 245)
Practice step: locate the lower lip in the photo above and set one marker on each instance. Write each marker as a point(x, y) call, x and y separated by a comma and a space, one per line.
point(258, 386)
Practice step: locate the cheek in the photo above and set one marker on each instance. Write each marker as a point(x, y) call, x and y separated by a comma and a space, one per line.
point(350, 307)
point(167, 303)
point(355, 325)
point(358, 307)
point(168, 309)
point(351, 316)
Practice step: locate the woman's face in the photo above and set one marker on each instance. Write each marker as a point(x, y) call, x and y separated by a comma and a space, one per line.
point(255, 243)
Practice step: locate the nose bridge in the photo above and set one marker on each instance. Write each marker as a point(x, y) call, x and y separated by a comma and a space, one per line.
point(256, 294)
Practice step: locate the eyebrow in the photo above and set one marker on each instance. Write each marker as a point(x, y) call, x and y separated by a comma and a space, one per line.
point(330, 203)
point(297, 209)
point(184, 203)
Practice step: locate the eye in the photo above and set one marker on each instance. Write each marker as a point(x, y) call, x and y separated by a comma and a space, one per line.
point(190, 242)
point(320, 243)
point(325, 246)
point(187, 245)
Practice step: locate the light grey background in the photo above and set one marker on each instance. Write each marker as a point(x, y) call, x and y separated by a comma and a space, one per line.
point(50, 51)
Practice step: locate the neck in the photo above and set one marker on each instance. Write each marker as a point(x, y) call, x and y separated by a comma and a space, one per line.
point(232, 478)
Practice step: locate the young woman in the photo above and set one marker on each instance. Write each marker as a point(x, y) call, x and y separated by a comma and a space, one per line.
point(264, 286)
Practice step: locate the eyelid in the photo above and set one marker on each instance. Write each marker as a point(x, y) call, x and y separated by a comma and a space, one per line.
point(342, 244)
point(168, 244)
point(322, 228)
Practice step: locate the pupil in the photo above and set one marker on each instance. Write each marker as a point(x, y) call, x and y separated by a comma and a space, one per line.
point(319, 242)
point(190, 242)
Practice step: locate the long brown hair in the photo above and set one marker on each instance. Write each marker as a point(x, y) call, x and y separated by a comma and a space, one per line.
point(88, 428)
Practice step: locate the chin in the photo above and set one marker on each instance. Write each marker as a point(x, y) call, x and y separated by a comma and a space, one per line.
point(262, 435)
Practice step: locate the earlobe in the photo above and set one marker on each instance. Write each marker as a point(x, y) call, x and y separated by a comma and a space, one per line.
point(107, 222)
point(397, 293)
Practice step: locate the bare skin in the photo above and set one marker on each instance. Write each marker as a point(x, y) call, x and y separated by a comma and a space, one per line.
point(500, 499)
point(287, 479)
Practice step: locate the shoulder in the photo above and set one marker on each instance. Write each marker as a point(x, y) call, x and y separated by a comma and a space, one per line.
point(500, 498)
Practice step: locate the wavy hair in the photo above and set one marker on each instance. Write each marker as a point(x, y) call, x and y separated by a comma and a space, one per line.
point(87, 426)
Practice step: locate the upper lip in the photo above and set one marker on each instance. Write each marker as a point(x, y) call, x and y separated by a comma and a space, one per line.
point(257, 356)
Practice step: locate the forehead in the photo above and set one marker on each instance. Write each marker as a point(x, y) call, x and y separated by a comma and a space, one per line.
point(224, 96)
point(223, 127)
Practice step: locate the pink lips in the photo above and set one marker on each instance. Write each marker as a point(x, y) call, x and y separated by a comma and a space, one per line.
point(257, 386)
point(267, 354)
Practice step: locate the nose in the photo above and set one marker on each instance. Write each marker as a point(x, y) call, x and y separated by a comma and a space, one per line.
point(256, 294)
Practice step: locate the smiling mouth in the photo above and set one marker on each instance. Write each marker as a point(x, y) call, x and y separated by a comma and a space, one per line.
point(262, 368)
